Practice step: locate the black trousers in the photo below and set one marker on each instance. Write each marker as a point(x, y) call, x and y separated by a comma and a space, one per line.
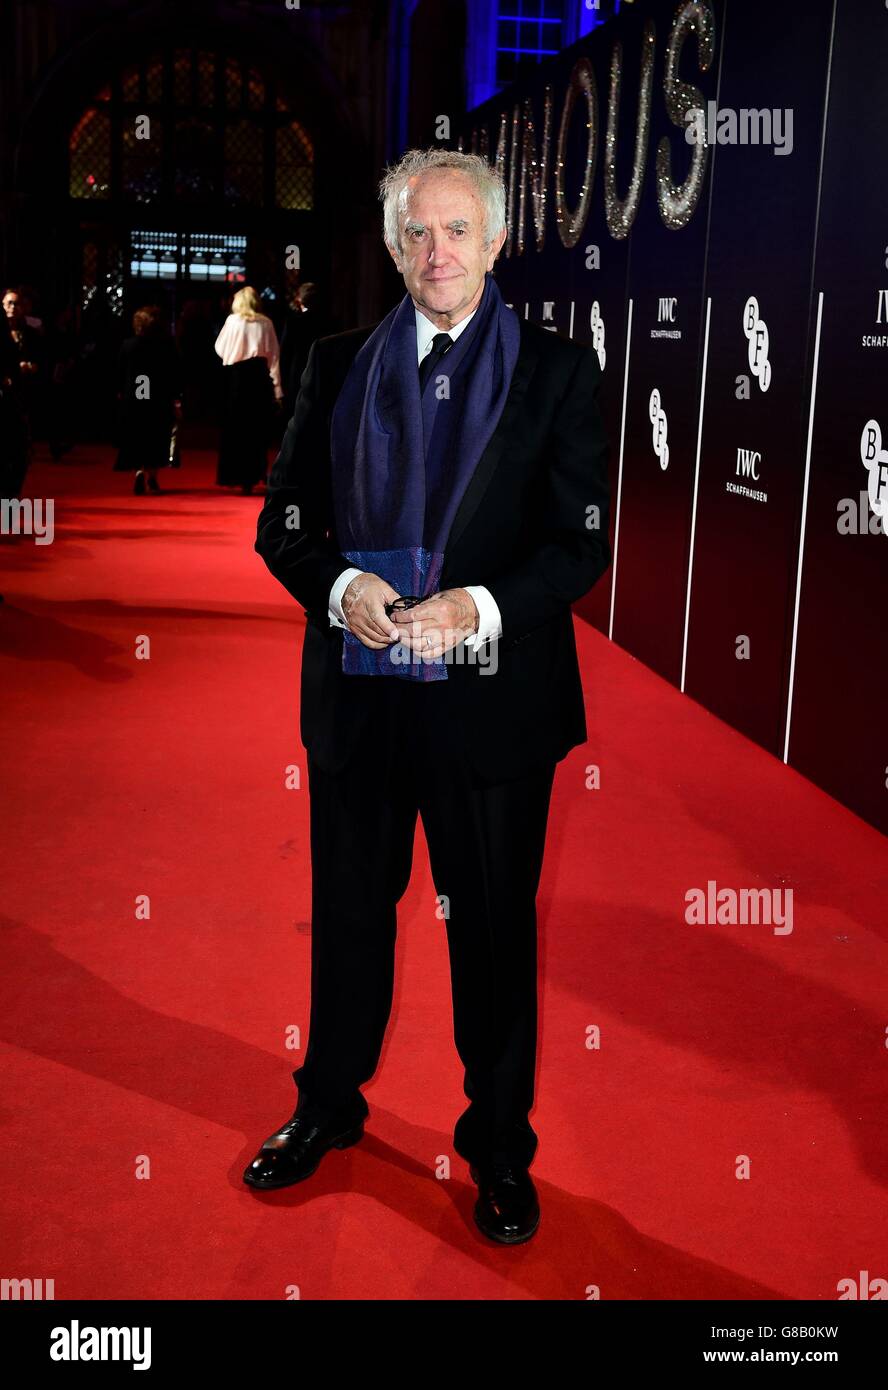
point(486, 851)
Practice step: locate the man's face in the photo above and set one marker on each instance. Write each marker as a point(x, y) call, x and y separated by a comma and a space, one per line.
point(443, 258)
point(12, 307)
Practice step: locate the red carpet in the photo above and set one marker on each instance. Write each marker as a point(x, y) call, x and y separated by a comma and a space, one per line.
point(131, 1042)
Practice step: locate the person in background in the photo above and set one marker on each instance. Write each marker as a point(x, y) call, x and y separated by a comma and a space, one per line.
point(24, 332)
point(14, 438)
point(28, 345)
point(248, 347)
point(150, 396)
point(27, 295)
point(309, 319)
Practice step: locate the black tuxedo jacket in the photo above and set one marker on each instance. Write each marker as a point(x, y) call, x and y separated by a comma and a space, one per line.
point(522, 529)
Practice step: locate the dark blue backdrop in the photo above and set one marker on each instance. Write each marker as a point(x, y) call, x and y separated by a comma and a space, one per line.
point(750, 570)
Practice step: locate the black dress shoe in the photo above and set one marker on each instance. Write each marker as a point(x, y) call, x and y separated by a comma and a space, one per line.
point(507, 1208)
point(295, 1151)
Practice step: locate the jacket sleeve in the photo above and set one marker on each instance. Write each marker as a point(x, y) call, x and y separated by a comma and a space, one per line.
point(574, 550)
point(295, 524)
point(273, 357)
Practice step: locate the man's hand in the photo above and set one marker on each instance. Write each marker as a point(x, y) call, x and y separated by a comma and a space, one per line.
point(438, 623)
point(363, 605)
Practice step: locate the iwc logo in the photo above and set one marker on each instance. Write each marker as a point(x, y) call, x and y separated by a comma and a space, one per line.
point(878, 340)
point(667, 307)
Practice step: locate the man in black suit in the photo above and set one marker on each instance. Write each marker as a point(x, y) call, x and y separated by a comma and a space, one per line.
point(472, 749)
point(308, 320)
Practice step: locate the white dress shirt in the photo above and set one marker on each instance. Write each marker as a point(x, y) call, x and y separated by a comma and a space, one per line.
point(489, 618)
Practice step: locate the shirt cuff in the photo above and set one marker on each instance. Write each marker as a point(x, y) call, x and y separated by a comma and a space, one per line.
point(489, 617)
point(337, 617)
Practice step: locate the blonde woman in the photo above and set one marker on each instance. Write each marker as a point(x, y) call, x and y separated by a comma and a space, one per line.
point(251, 383)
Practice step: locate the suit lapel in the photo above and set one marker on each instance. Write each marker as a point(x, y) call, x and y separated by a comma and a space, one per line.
point(490, 459)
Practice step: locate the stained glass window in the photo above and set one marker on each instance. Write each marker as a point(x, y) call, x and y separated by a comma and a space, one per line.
point(182, 77)
point(90, 155)
point(141, 158)
point(195, 142)
point(217, 140)
point(293, 168)
point(243, 162)
point(206, 79)
point(234, 85)
point(255, 91)
point(129, 85)
point(154, 81)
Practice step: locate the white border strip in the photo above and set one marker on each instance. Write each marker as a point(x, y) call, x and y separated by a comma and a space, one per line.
point(798, 592)
point(795, 619)
point(684, 645)
point(610, 629)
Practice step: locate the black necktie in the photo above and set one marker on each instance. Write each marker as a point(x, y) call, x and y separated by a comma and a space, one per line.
point(441, 343)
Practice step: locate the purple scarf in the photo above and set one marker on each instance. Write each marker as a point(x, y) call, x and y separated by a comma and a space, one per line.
point(401, 464)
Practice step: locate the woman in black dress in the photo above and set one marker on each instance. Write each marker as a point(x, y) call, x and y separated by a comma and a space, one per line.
point(150, 391)
point(251, 383)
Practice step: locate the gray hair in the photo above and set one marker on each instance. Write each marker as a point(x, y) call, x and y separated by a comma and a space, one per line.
point(488, 185)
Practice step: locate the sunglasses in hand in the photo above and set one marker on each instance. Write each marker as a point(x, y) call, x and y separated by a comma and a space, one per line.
point(400, 605)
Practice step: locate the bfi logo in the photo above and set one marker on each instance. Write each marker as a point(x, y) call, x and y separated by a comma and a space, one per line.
point(666, 310)
point(748, 461)
point(657, 417)
point(596, 323)
point(875, 460)
point(755, 330)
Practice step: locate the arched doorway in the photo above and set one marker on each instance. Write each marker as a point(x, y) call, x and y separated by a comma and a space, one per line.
point(252, 162)
point(179, 166)
point(189, 174)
